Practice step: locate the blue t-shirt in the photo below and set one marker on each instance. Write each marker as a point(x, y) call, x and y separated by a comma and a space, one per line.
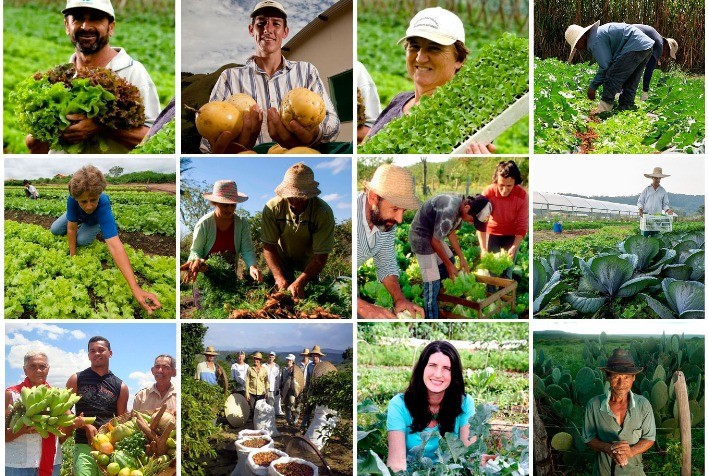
point(399, 418)
point(102, 215)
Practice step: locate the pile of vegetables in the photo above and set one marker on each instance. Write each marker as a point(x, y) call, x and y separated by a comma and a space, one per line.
point(163, 142)
point(465, 286)
point(282, 305)
point(142, 446)
point(479, 92)
point(496, 263)
point(43, 101)
point(45, 409)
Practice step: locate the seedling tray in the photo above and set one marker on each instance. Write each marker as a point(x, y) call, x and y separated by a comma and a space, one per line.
point(505, 296)
point(662, 223)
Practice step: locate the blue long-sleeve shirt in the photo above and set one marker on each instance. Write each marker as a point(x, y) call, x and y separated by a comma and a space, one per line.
point(610, 41)
point(655, 53)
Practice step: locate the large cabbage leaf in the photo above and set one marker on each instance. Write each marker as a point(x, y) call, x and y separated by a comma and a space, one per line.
point(645, 247)
point(608, 273)
point(686, 298)
point(551, 289)
point(587, 303)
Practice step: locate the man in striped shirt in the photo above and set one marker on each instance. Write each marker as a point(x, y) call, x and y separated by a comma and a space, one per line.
point(380, 208)
point(267, 76)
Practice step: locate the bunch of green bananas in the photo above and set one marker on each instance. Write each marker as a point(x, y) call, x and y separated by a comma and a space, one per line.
point(44, 409)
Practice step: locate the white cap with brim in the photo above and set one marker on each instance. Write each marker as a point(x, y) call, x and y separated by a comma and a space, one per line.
point(268, 4)
point(574, 33)
point(436, 24)
point(102, 5)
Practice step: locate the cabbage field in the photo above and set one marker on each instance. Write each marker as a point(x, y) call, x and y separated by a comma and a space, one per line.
point(566, 375)
point(43, 281)
point(41, 43)
point(671, 120)
point(617, 273)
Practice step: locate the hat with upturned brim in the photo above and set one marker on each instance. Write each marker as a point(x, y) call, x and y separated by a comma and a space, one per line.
point(306, 351)
point(210, 351)
point(673, 47)
point(574, 33)
point(258, 356)
point(657, 173)
point(104, 6)
point(621, 362)
point(298, 182)
point(316, 351)
point(225, 191)
point(396, 185)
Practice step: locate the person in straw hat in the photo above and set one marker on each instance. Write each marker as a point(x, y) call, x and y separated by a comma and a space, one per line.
point(436, 220)
point(621, 51)
point(663, 49)
point(380, 207)
point(297, 230)
point(90, 25)
point(208, 370)
point(619, 425)
point(222, 231)
point(316, 355)
point(654, 198)
point(256, 381)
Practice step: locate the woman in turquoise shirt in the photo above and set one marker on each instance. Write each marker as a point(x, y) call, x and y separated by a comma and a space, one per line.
point(435, 400)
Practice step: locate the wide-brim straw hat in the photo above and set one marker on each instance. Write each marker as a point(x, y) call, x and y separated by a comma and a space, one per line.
point(305, 351)
point(258, 356)
point(673, 47)
point(210, 351)
point(658, 173)
point(316, 351)
point(574, 33)
point(299, 182)
point(225, 191)
point(396, 185)
point(621, 362)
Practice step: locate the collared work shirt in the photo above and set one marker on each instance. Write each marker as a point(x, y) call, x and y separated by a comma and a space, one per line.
point(601, 423)
point(257, 381)
point(374, 243)
point(653, 201)
point(610, 41)
point(268, 91)
point(151, 399)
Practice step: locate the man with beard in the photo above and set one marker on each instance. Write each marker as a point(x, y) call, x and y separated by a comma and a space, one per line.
point(267, 76)
point(297, 230)
point(90, 24)
point(380, 207)
point(103, 395)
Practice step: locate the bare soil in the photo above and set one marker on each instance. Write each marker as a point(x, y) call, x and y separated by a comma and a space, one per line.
point(169, 188)
point(548, 235)
point(150, 244)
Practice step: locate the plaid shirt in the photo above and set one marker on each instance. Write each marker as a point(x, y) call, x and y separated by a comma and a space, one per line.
point(269, 91)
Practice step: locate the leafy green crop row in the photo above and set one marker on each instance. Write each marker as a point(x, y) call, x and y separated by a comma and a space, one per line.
point(479, 92)
point(43, 281)
point(673, 116)
point(126, 196)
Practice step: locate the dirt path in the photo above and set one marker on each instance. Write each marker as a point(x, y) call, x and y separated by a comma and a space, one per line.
point(548, 235)
point(150, 244)
point(169, 188)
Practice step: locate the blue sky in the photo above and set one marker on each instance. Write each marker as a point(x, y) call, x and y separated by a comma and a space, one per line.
point(258, 178)
point(215, 32)
point(134, 346)
point(278, 334)
point(36, 167)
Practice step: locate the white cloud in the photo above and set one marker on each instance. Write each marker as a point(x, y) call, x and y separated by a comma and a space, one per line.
point(344, 205)
point(336, 165)
point(142, 379)
point(77, 334)
point(62, 363)
point(331, 197)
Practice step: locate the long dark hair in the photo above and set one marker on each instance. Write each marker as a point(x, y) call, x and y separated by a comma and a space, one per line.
point(416, 395)
point(507, 169)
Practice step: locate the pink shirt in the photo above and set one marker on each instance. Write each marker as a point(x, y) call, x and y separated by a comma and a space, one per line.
point(510, 215)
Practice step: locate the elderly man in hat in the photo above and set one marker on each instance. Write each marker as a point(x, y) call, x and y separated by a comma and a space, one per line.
point(256, 381)
point(621, 51)
point(89, 24)
point(619, 425)
point(654, 199)
point(221, 231)
point(380, 208)
point(267, 76)
point(297, 230)
point(208, 370)
point(662, 50)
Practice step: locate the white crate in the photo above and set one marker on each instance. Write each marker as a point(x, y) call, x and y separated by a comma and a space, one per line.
point(662, 223)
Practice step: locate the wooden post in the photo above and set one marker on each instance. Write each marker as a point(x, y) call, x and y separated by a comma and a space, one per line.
point(684, 421)
point(541, 454)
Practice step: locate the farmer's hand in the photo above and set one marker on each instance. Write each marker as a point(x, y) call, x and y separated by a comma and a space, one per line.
point(299, 137)
point(366, 310)
point(81, 129)
point(669, 212)
point(255, 274)
point(227, 143)
point(405, 305)
point(481, 149)
point(193, 268)
point(36, 146)
point(591, 93)
point(297, 289)
point(91, 432)
point(486, 458)
point(147, 300)
point(451, 269)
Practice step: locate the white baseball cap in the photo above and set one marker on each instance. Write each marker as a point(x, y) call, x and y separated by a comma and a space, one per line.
point(436, 24)
point(268, 4)
point(290, 357)
point(271, 353)
point(102, 5)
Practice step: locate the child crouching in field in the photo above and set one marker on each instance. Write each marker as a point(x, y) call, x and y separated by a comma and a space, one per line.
point(88, 211)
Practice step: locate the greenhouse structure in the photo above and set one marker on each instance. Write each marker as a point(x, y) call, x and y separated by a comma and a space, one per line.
point(555, 205)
